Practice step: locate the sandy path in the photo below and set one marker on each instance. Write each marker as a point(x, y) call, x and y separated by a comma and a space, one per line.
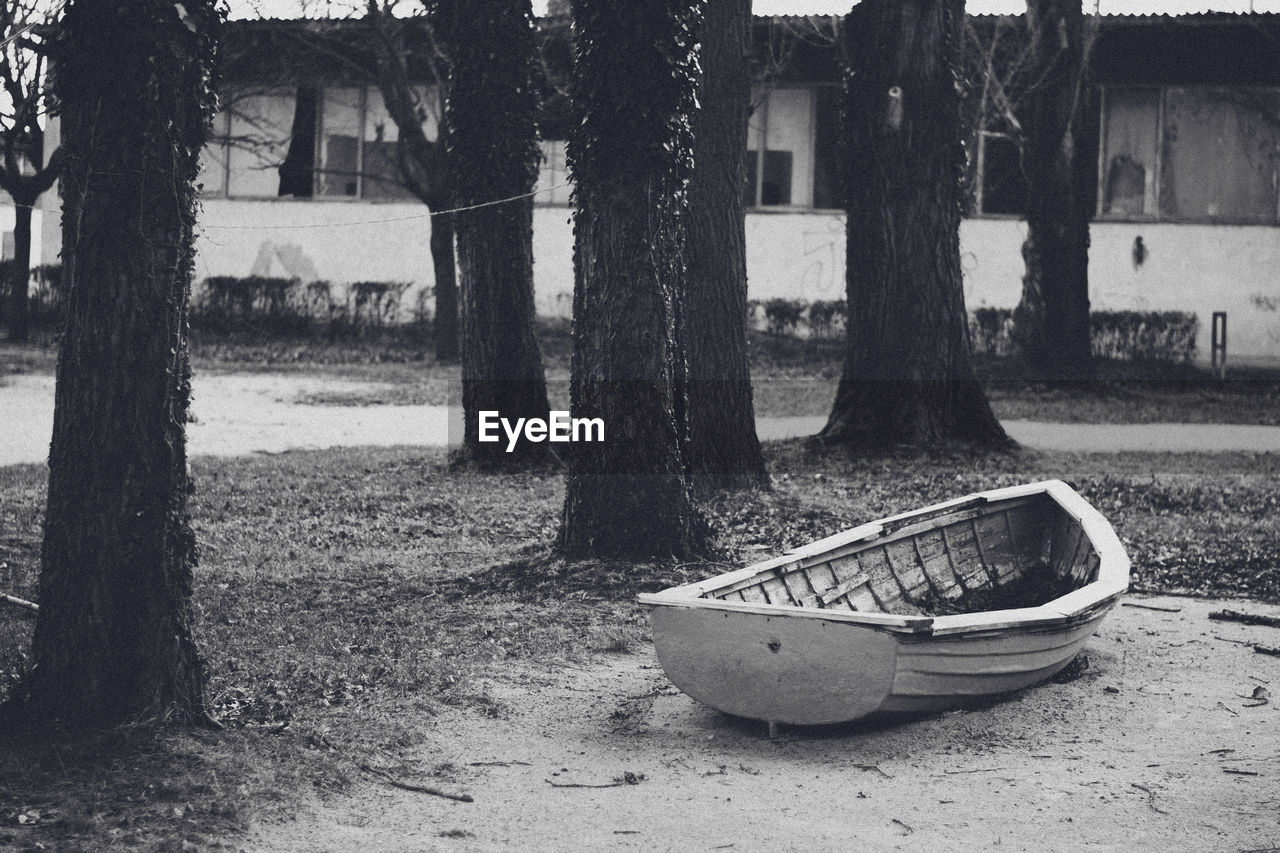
point(1136, 754)
point(238, 414)
point(1092, 438)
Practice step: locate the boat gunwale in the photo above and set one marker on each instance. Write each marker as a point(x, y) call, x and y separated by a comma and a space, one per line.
point(1111, 582)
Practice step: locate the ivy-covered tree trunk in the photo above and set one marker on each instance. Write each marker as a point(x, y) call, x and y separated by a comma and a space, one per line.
point(1059, 157)
point(908, 376)
point(113, 639)
point(493, 155)
point(723, 448)
point(634, 83)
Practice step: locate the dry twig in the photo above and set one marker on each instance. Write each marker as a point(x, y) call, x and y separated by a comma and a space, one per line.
point(1150, 607)
point(410, 786)
point(1151, 798)
point(1245, 618)
point(19, 602)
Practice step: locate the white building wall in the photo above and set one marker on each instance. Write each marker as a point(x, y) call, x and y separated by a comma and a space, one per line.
point(1197, 268)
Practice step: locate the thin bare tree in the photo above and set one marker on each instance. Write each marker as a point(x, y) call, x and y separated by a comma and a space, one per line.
point(25, 173)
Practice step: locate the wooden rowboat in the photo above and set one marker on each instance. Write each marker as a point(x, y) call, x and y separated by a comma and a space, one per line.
point(924, 611)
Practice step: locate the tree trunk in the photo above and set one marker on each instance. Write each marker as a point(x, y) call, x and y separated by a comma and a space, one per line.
point(723, 448)
point(493, 155)
point(422, 165)
point(20, 271)
point(444, 327)
point(907, 375)
point(1051, 322)
point(113, 640)
point(634, 81)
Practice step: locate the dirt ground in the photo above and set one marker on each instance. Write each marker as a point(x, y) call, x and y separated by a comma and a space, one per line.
point(1164, 742)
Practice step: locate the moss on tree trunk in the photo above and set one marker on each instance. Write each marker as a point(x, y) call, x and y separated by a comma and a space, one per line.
point(634, 81)
point(113, 640)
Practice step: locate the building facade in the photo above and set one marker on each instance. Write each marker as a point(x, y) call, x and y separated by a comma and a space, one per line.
point(300, 180)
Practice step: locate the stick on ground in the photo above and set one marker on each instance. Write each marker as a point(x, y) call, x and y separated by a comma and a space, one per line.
point(1150, 607)
point(19, 602)
point(1245, 618)
point(410, 786)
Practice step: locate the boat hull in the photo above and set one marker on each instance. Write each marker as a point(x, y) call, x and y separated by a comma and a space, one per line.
point(816, 671)
point(806, 639)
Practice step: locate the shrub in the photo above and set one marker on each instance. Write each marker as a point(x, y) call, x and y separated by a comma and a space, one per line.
point(1165, 336)
point(827, 318)
point(231, 303)
point(1168, 336)
point(376, 304)
point(284, 306)
point(989, 330)
point(44, 292)
point(783, 315)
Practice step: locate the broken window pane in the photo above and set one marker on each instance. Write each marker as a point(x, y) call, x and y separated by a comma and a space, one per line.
point(1220, 154)
point(1129, 152)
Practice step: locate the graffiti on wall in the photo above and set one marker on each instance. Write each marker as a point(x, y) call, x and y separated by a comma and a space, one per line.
point(283, 260)
point(822, 248)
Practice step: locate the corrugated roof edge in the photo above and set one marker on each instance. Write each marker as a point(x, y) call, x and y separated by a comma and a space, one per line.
point(1189, 17)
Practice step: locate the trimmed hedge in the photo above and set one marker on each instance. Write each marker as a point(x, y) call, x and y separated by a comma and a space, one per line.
point(258, 305)
point(820, 319)
point(44, 292)
point(1144, 335)
point(288, 307)
point(1165, 336)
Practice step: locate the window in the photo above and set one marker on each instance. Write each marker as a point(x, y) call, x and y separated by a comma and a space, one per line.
point(358, 144)
point(1001, 188)
point(1195, 154)
point(781, 126)
point(1128, 185)
point(341, 127)
point(248, 142)
point(336, 142)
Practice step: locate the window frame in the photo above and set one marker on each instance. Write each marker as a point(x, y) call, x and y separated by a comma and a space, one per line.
point(760, 97)
point(979, 188)
point(1158, 188)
